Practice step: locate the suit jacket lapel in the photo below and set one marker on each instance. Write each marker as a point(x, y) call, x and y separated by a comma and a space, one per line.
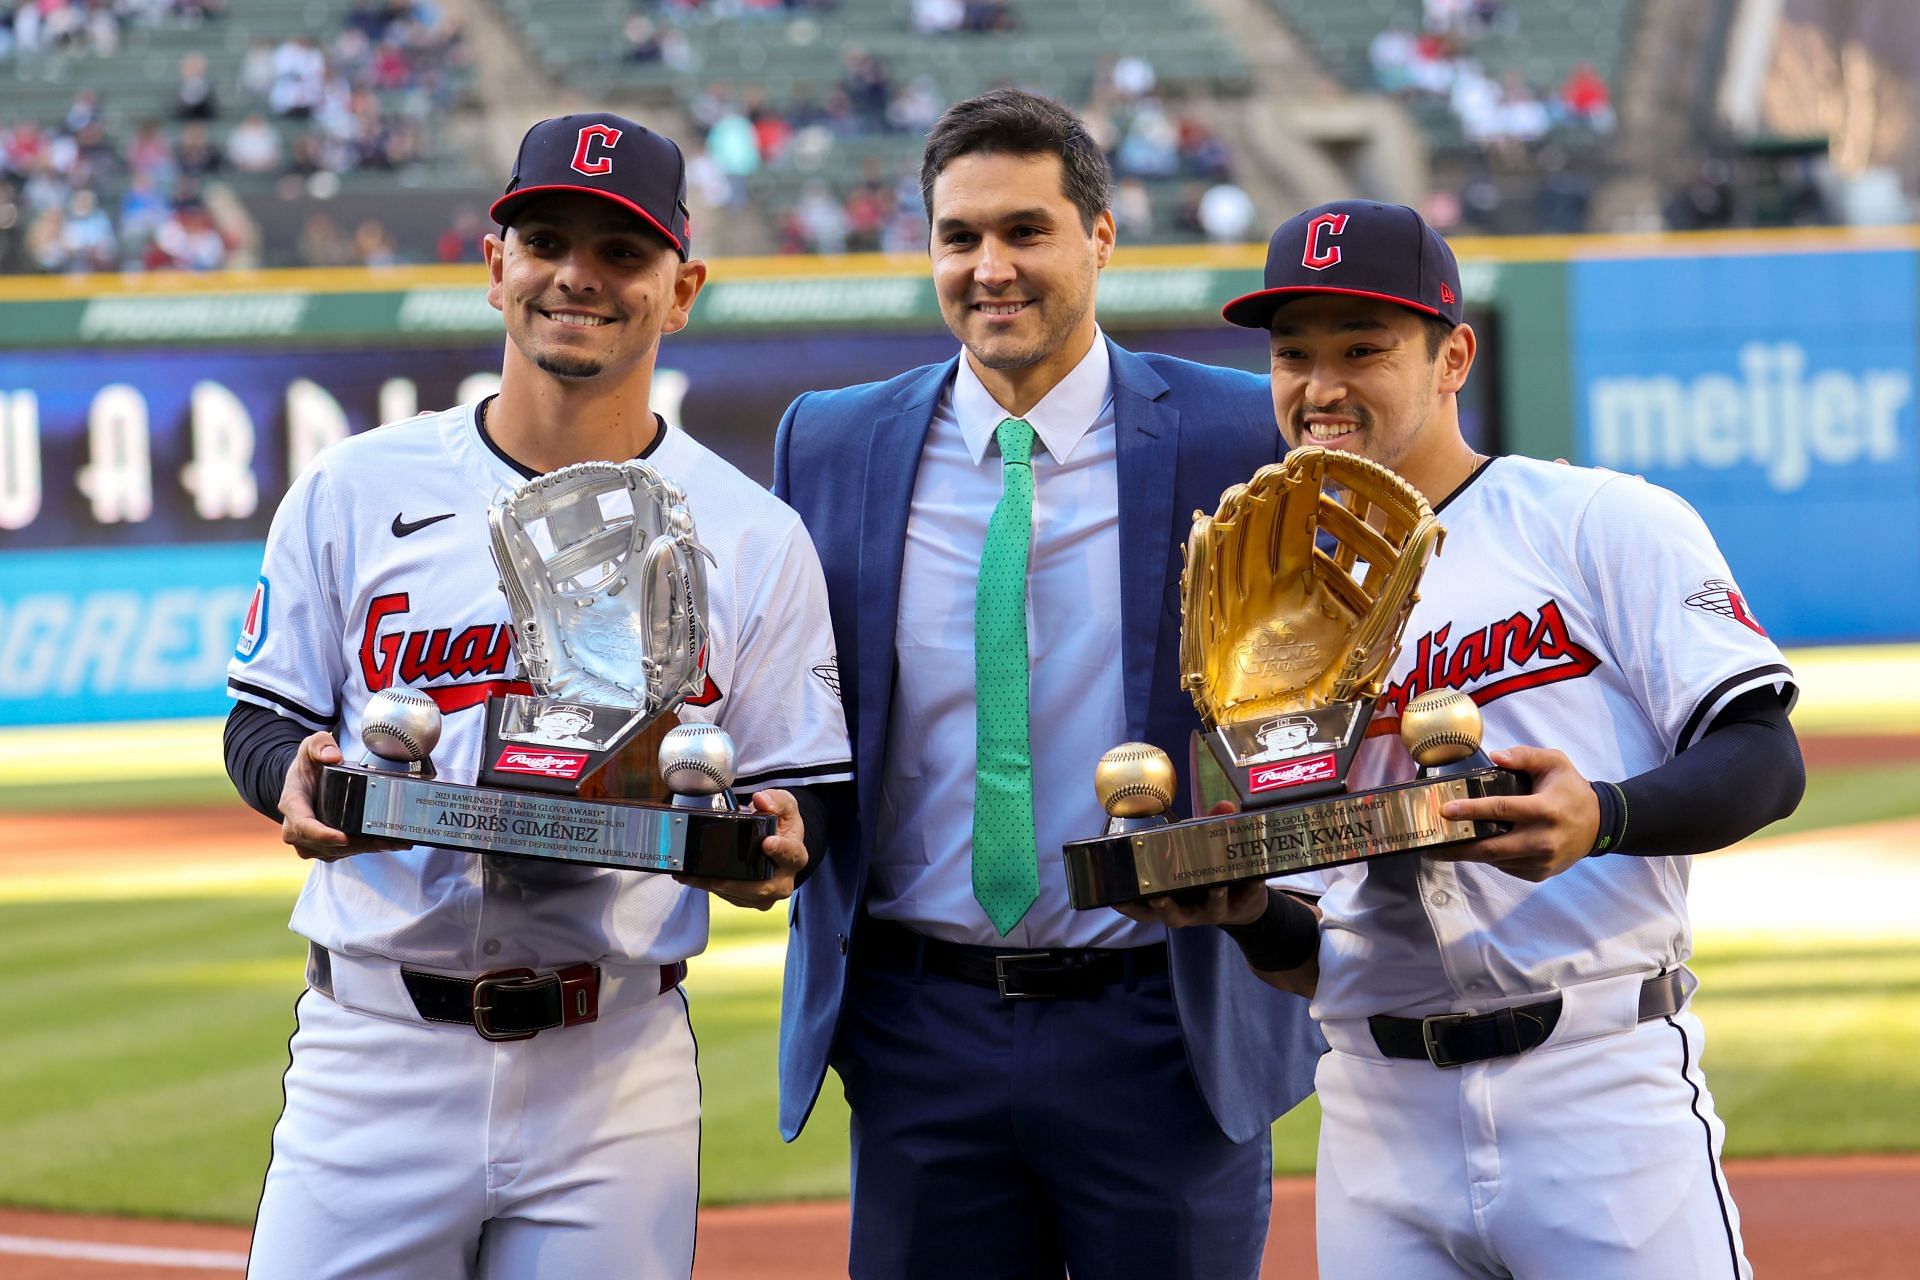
point(1147, 431)
point(893, 462)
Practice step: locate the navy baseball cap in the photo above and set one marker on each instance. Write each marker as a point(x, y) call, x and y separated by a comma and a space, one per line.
point(1358, 247)
point(602, 155)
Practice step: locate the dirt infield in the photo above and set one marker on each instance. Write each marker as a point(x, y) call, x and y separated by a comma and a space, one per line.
point(1803, 1220)
point(1856, 749)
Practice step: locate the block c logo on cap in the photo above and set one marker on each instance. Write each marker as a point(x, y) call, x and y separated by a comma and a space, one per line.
point(584, 159)
point(1317, 258)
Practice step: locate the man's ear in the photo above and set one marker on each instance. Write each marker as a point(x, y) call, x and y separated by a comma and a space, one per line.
point(494, 250)
point(1456, 358)
point(687, 284)
point(1103, 238)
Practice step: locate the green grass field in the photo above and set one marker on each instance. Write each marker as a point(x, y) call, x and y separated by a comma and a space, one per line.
point(146, 1038)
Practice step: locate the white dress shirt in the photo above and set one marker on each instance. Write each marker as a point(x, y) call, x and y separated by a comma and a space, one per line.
point(922, 859)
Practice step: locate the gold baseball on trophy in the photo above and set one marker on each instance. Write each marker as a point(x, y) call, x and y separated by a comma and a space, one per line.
point(1134, 780)
point(1440, 726)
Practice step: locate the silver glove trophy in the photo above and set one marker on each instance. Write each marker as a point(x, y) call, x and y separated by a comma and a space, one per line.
point(606, 586)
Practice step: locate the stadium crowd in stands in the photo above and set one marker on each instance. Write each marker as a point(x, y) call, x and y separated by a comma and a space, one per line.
point(1145, 138)
point(77, 196)
point(820, 160)
point(1498, 114)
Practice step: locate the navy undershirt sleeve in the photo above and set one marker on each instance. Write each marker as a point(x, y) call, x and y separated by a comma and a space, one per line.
point(1743, 773)
point(260, 745)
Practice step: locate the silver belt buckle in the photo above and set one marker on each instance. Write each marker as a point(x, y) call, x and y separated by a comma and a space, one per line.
point(486, 984)
point(1000, 976)
point(1432, 1045)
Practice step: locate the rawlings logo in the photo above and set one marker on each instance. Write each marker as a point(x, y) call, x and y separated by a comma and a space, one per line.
point(1717, 595)
point(1317, 257)
point(1539, 642)
point(593, 137)
point(548, 764)
point(1276, 777)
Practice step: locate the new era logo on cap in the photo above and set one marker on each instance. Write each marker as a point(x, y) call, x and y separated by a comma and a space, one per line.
point(1357, 247)
point(602, 155)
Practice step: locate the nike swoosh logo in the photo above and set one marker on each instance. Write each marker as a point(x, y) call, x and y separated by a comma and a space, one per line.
point(402, 526)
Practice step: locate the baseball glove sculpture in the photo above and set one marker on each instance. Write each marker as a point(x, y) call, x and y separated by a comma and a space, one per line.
point(605, 584)
point(607, 590)
point(1296, 590)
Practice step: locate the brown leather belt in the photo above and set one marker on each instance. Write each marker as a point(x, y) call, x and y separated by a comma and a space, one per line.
point(1454, 1039)
point(506, 1004)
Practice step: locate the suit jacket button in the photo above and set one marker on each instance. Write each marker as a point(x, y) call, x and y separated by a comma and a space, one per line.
point(841, 938)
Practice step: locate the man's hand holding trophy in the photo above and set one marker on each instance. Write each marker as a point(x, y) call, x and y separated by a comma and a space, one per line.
point(606, 588)
point(1295, 595)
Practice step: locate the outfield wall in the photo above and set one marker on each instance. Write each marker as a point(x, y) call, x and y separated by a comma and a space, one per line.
point(148, 426)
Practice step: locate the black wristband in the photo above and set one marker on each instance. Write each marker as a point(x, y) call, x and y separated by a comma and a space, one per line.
point(1286, 935)
point(1613, 818)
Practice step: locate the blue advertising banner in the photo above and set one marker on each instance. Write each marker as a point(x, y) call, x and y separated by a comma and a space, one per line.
point(121, 634)
point(1775, 394)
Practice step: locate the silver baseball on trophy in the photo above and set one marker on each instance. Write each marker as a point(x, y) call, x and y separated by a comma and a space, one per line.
point(400, 728)
point(696, 763)
point(605, 583)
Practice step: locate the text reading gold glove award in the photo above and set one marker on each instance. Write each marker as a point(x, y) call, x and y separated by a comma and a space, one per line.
point(606, 585)
point(1294, 597)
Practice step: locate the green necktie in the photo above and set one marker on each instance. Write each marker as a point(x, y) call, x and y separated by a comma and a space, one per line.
point(1006, 876)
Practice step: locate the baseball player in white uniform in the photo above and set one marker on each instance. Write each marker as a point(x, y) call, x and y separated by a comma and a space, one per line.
point(1514, 1087)
point(411, 1144)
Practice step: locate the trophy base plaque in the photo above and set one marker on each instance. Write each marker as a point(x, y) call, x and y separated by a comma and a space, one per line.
point(1279, 841)
point(721, 844)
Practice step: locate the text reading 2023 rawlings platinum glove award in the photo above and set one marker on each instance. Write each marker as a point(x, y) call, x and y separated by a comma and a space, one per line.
point(1293, 600)
point(606, 587)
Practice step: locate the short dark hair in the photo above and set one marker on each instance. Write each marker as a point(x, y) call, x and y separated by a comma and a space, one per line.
point(1015, 122)
point(1438, 331)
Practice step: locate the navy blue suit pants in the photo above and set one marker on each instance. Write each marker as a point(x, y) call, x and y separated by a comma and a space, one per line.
point(998, 1139)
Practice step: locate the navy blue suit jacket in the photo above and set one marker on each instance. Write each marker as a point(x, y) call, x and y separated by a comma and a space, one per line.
point(847, 460)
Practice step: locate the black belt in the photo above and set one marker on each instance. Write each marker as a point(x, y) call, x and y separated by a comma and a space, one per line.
point(508, 1004)
point(1451, 1039)
point(1017, 975)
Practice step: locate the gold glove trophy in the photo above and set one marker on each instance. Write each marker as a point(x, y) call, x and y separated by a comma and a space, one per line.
point(606, 587)
point(1294, 597)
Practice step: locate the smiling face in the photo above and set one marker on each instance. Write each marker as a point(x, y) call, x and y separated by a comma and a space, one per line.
point(1357, 374)
point(587, 288)
point(1015, 267)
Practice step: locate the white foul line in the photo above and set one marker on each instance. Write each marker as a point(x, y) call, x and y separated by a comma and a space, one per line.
point(131, 1255)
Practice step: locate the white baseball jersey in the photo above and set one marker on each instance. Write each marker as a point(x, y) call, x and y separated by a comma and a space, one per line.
point(1584, 611)
point(378, 574)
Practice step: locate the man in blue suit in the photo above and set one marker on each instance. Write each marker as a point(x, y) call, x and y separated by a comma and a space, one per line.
point(1033, 1089)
